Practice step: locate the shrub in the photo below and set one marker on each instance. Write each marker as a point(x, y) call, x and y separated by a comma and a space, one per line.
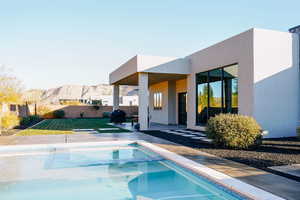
point(118, 116)
point(43, 110)
point(10, 121)
point(137, 127)
point(233, 131)
point(30, 120)
point(97, 102)
point(81, 114)
point(96, 107)
point(298, 132)
point(59, 113)
point(106, 114)
point(48, 115)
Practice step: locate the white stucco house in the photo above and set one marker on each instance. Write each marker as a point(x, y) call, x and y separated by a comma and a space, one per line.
point(254, 73)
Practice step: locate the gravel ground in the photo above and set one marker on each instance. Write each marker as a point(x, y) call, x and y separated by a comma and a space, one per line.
point(273, 152)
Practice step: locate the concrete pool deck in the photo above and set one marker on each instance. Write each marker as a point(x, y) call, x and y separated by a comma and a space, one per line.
point(275, 184)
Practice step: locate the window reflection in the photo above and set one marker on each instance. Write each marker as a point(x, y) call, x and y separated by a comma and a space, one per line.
point(231, 89)
point(215, 97)
point(202, 103)
point(217, 92)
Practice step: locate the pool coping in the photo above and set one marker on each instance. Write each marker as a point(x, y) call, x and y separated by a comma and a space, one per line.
point(237, 186)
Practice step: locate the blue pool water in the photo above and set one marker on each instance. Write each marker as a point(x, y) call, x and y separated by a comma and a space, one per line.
point(100, 172)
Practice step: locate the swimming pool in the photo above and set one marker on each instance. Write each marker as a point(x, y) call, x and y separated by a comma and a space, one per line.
point(108, 170)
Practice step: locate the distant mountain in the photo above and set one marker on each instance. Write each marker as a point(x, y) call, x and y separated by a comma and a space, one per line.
point(76, 92)
point(34, 95)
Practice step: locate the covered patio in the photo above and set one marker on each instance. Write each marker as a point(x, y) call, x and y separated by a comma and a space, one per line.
point(153, 74)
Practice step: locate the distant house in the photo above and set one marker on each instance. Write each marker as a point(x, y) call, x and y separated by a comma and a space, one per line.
point(123, 100)
point(18, 109)
point(254, 73)
point(104, 100)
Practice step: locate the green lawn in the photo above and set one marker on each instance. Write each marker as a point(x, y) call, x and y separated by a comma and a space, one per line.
point(65, 126)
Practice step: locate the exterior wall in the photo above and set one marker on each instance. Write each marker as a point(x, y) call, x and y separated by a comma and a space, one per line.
point(268, 79)
point(21, 110)
point(164, 65)
point(169, 112)
point(276, 81)
point(127, 69)
point(238, 49)
point(159, 116)
point(181, 86)
point(107, 100)
point(88, 110)
point(149, 64)
point(129, 101)
point(145, 63)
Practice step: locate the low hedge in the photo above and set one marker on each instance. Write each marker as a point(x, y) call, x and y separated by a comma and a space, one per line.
point(106, 114)
point(234, 131)
point(30, 120)
point(59, 114)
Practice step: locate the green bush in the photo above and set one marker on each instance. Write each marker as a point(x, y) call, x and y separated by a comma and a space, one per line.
point(118, 116)
point(96, 107)
point(59, 114)
point(298, 132)
point(234, 131)
point(81, 114)
point(106, 114)
point(30, 120)
point(9, 121)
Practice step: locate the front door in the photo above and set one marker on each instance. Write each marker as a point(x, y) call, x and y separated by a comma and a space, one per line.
point(182, 115)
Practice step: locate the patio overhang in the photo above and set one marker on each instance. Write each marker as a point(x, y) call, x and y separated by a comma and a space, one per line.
point(144, 71)
point(158, 68)
point(153, 78)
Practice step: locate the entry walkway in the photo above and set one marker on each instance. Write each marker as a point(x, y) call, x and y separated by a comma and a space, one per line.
point(153, 126)
point(275, 184)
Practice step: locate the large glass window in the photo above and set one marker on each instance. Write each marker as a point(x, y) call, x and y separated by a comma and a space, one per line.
point(217, 92)
point(202, 96)
point(231, 89)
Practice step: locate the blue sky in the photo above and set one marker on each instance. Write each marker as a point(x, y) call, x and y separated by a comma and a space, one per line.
point(55, 42)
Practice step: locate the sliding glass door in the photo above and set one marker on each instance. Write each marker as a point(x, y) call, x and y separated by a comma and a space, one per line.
point(217, 92)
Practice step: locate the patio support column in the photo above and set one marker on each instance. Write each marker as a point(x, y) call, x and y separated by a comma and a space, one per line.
point(143, 101)
point(116, 97)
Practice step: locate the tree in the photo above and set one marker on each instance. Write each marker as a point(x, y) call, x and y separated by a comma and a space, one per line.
point(10, 87)
point(10, 90)
point(203, 96)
